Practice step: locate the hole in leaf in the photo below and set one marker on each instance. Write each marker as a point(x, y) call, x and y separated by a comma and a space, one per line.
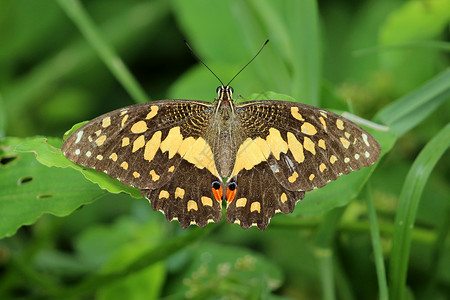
point(24, 179)
point(42, 196)
point(6, 160)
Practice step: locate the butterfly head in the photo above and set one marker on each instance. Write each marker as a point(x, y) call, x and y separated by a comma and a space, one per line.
point(225, 93)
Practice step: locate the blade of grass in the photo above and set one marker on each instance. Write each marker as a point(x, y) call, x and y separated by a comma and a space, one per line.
point(324, 253)
point(376, 244)
point(438, 252)
point(75, 10)
point(413, 108)
point(307, 59)
point(120, 30)
point(343, 283)
point(407, 209)
point(2, 118)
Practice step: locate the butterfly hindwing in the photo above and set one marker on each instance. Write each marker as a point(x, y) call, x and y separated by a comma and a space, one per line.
point(259, 197)
point(188, 197)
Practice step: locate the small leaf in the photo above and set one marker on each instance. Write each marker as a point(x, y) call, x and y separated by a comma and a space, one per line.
point(218, 271)
point(29, 189)
point(52, 156)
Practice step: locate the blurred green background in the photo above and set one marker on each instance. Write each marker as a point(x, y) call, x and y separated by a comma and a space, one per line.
point(59, 65)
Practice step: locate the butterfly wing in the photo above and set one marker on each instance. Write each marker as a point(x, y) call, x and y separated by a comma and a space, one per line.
point(298, 146)
point(149, 145)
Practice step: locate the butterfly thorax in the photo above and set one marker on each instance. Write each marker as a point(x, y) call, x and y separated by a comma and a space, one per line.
point(224, 131)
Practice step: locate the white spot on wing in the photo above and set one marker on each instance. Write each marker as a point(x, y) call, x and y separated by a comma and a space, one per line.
point(79, 135)
point(366, 141)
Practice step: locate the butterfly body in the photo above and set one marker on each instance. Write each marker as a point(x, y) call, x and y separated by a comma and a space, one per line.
point(187, 156)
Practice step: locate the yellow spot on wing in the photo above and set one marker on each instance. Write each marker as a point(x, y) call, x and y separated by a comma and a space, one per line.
point(322, 121)
point(322, 167)
point(100, 140)
point(155, 177)
point(250, 153)
point(124, 165)
point(295, 147)
point(333, 159)
point(201, 156)
point(179, 193)
point(345, 142)
point(124, 119)
point(97, 133)
point(293, 177)
point(311, 177)
point(241, 202)
point(113, 156)
point(296, 114)
point(206, 201)
point(276, 142)
point(152, 146)
point(106, 122)
point(192, 205)
point(255, 206)
point(153, 112)
point(164, 194)
point(308, 128)
point(309, 145)
point(136, 174)
point(138, 143)
point(283, 197)
point(172, 142)
point(171, 169)
point(125, 141)
point(340, 124)
point(99, 157)
point(347, 135)
point(139, 127)
point(321, 144)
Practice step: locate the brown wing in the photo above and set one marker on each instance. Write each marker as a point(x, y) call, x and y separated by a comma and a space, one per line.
point(259, 197)
point(142, 145)
point(298, 146)
point(187, 198)
point(158, 147)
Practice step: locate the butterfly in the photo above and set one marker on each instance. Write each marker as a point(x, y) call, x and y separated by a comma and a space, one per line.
point(189, 156)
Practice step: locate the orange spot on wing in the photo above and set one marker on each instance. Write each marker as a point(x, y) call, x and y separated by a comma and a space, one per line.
point(230, 195)
point(218, 194)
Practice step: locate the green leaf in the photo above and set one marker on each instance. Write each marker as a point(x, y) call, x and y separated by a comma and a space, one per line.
point(29, 189)
point(411, 109)
point(217, 271)
point(146, 259)
point(51, 156)
point(114, 247)
point(414, 21)
point(407, 209)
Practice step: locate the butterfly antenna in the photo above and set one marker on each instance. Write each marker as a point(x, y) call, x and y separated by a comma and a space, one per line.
point(198, 58)
point(248, 62)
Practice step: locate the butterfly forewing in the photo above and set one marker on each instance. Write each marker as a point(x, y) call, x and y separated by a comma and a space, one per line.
point(303, 146)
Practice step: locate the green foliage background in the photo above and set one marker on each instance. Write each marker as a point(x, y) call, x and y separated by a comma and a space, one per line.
point(378, 233)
